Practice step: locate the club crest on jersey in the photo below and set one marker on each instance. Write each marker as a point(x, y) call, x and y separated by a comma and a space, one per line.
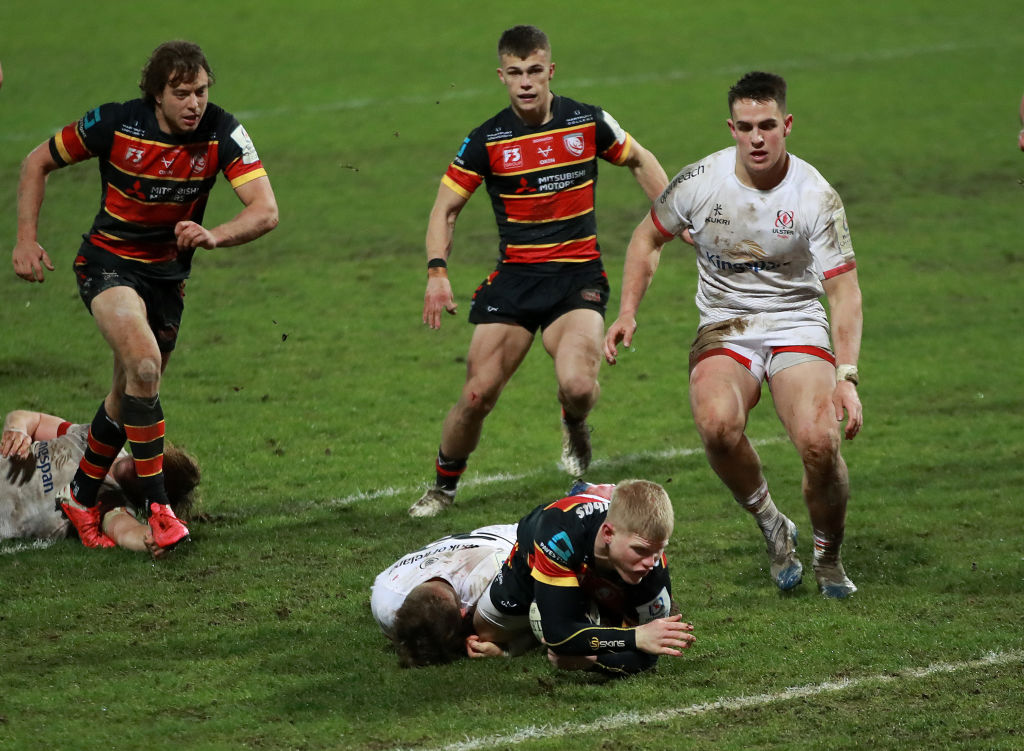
point(783, 223)
point(199, 163)
point(574, 143)
point(511, 156)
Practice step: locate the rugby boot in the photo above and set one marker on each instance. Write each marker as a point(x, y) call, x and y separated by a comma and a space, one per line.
point(433, 502)
point(575, 447)
point(832, 580)
point(85, 519)
point(786, 569)
point(167, 528)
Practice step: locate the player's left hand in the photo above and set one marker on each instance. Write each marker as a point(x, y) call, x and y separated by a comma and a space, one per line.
point(1021, 139)
point(191, 235)
point(154, 550)
point(845, 398)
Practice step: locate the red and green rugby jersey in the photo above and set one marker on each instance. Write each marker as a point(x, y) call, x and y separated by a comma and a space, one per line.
point(541, 179)
point(152, 180)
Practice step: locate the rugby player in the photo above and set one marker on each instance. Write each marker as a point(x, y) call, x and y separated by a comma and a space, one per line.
point(538, 159)
point(424, 602)
point(159, 157)
point(771, 238)
point(603, 547)
point(39, 454)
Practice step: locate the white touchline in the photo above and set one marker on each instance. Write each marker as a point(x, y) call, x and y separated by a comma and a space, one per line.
point(628, 719)
point(477, 481)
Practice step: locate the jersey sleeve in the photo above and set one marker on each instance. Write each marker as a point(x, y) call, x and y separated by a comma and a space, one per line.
point(671, 210)
point(613, 143)
point(92, 135)
point(829, 241)
point(567, 630)
point(468, 168)
point(237, 154)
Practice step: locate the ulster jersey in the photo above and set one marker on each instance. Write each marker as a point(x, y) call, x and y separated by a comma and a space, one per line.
point(28, 487)
point(152, 180)
point(468, 562)
point(541, 179)
point(758, 251)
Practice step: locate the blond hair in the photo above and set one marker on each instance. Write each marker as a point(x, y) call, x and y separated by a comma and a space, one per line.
point(643, 508)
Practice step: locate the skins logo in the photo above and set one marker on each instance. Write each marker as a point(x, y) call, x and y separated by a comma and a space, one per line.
point(574, 143)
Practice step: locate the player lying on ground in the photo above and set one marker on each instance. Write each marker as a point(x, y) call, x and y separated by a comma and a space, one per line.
point(39, 454)
point(604, 547)
point(424, 601)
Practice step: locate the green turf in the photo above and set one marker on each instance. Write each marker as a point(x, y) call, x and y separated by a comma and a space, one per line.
point(313, 395)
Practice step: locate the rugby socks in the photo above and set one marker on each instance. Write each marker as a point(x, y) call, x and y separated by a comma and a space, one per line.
point(448, 472)
point(826, 548)
point(106, 438)
point(761, 505)
point(144, 424)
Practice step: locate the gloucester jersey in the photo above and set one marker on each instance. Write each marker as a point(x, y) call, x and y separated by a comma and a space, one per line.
point(152, 180)
point(758, 251)
point(28, 506)
point(541, 179)
point(555, 548)
point(467, 561)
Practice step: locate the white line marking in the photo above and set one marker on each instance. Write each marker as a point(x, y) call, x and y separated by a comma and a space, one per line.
point(482, 480)
point(630, 719)
point(10, 548)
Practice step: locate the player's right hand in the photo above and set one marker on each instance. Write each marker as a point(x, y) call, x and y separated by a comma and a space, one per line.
point(665, 636)
point(29, 258)
point(621, 330)
point(438, 297)
point(477, 647)
point(16, 443)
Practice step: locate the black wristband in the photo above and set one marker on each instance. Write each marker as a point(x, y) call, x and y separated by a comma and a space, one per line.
point(437, 263)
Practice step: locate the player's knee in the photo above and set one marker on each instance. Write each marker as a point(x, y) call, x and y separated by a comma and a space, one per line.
point(145, 371)
point(719, 432)
point(478, 402)
point(579, 392)
point(819, 451)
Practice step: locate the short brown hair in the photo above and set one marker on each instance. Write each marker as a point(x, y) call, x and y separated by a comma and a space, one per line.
point(428, 626)
point(172, 63)
point(643, 508)
point(522, 41)
point(760, 87)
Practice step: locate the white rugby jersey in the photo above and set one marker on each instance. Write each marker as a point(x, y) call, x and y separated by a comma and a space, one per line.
point(27, 487)
point(467, 561)
point(758, 251)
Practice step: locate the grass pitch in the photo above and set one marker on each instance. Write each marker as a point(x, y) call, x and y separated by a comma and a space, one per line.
point(313, 396)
